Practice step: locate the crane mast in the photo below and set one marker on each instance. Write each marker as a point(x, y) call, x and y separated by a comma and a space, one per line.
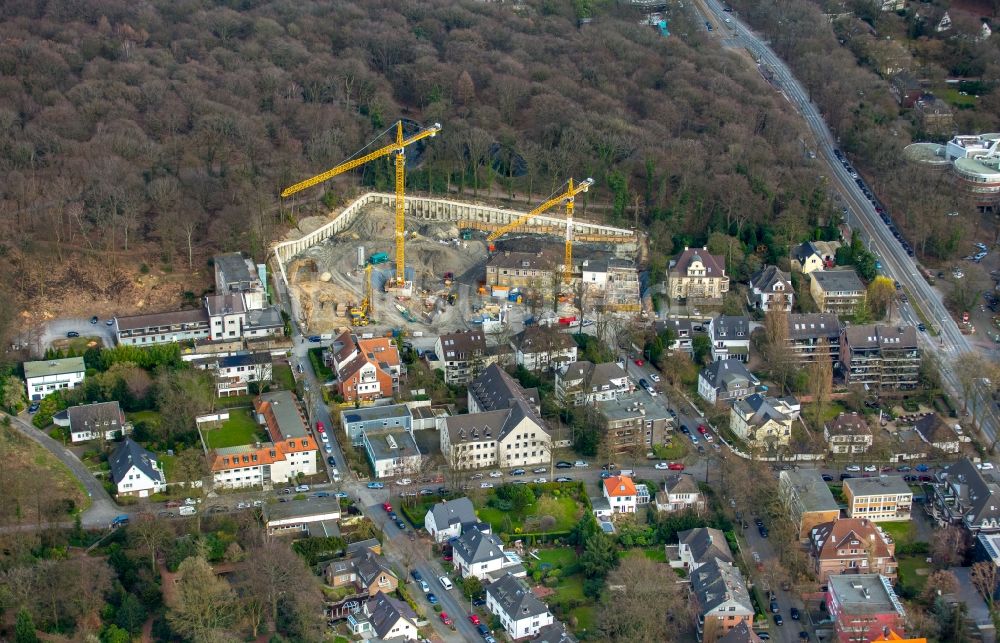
point(398, 146)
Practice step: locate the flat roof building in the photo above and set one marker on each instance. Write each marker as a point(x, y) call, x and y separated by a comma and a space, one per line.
point(808, 499)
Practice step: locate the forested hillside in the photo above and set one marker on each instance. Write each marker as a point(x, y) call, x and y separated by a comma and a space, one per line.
point(161, 131)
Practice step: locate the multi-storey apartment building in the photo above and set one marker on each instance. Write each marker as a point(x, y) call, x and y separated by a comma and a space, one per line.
point(878, 499)
point(812, 336)
point(837, 291)
point(881, 357)
point(464, 355)
point(966, 496)
point(808, 499)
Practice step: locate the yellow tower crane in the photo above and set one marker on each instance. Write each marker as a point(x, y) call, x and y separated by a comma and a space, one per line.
point(569, 196)
point(398, 147)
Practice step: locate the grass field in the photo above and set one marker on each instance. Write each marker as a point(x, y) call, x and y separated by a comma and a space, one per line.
point(283, 377)
point(564, 509)
point(954, 97)
point(151, 418)
point(168, 462)
point(557, 557)
point(655, 554)
point(25, 463)
point(908, 576)
point(239, 429)
point(675, 451)
point(830, 411)
point(903, 531)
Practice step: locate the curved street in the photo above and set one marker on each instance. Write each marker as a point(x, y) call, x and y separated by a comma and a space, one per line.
point(102, 508)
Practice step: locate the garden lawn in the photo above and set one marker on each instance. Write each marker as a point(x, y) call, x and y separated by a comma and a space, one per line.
point(239, 429)
point(283, 377)
point(674, 451)
point(557, 557)
point(167, 462)
point(830, 411)
point(151, 418)
point(908, 576)
point(655, 554)
point(903, 531)
point(566, 511)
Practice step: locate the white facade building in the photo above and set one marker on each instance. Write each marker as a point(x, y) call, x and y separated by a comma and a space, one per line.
point(53, 375)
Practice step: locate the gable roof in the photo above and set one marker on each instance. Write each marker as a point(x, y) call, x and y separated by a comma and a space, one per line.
point(461, 345)
point(980, 490)
point(933, 429)
point(385, 611)
point(716, 583)
point(474, 546)
point(283, 407)
point(706, 544)
point(593, 376)
point(619, 486)
point(830, 538)
point(848, 424)
point(99, 416)
point(680, 483)
point(370, 565)
point(495, 389)
point(535, 339)
point(731, 327)
point(727, 374)
point(740, 634)
point(767, 277)
point(129, 454)
point(715, 267)
point(554, 632)
point(491, 425)
point(454, 512)
point(514, 598)
point(813, 326)
point(759, 409)
point(245, 359)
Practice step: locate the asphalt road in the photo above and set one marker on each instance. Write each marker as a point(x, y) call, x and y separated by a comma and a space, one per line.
point(895, 261)
point(57, 329)
point(102, 509)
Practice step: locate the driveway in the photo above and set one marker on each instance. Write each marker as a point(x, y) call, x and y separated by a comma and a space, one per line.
point(102, 508)
point(57, 329)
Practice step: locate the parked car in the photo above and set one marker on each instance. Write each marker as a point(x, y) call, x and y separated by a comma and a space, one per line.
point(794, 613)
point(662, 466)
point(539, 470)
point(562, 464)
point(580, 463)
point(496, 474)
point(483, 630)
point(417, 576)
point(404, 481)
point(904, 468)
point(675, 466)
point(922, 467)
point(330, 461)
point(852, 468)
point(424, 587)
point(778, 620)
point(473, 619)
point(302, 488)
point(639, 362)
point(539, 481)
point(432, 599)
point(518, 472)
point(33, 408)
point(871, 468)
point(564, 479)
point(71, 334)
point(320, 427)
point(774, 606)
point(827, 477)
point(485, 485)
point(375, 485)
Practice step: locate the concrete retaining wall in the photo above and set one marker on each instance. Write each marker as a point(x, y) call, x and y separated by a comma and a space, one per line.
point(427, 209)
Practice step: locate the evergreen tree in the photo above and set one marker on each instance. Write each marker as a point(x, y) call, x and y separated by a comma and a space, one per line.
point(24, 630)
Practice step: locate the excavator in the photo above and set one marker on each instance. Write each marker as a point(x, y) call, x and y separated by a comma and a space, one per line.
point(569, 196)
point(362, 315)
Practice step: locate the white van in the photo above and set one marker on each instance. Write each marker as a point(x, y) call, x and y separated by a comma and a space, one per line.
point(445, 583)
point(187, 510)
point(626, 472)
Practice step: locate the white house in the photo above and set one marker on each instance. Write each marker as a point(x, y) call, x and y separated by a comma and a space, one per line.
point(135, 471)
point(730, 336)
point(234, 373)
point(621, 494)
point(537, 348)
point(100, 420)
point(478, 553)
point(520, 611)
point(510, 437)
point(770, 289)
point(447, 519)
point(53, 375)
point(227, 315)
point(389, 619)
point(391, 452)
point(582, 383)
point(679, 493)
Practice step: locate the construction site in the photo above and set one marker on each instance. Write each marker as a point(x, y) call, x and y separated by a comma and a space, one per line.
point(465, 264)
